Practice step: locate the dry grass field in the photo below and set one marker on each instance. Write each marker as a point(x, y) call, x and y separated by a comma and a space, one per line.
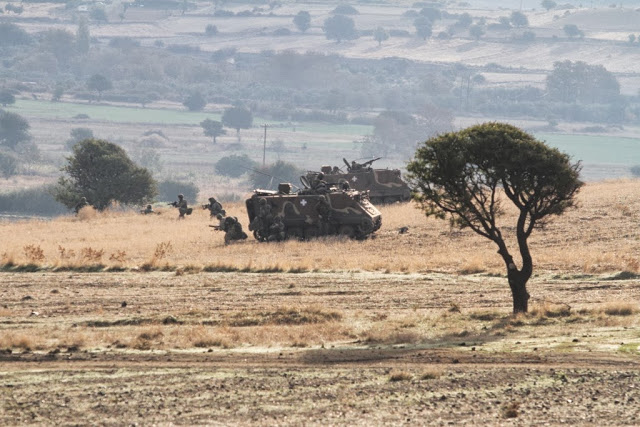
point(116, 318)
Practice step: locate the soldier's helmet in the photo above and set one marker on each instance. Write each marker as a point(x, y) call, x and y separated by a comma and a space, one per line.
point(219, 216)
point(320, 175)
point(180, 196)
point(212, 199)
point(148, 206)
point(263, 201)
point(84, 199)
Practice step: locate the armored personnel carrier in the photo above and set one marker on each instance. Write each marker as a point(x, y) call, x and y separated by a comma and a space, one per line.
point(385, 186)
point(315, 210)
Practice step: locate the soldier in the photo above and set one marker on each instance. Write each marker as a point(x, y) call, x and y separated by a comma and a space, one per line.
point(214, 207)
point(148, 210)
point(181, 204)
point(233, 230)
point(319, 185)
point(276, 230)
point(81, 204)
point(262, 221)
point(355, 165)
point(335, 170)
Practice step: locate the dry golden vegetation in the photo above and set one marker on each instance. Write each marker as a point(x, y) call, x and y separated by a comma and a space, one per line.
point(151, 320)
point(601, 236)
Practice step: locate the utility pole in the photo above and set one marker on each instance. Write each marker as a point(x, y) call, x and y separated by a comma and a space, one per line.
point(264, 145)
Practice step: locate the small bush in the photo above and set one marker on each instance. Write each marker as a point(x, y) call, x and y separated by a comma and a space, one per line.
point(34, 253)
point(34, 201)
point(620, 309)
point(211, 30)
point(169, 190)
point(400, 376)
point(235, 166)
point(510, 410)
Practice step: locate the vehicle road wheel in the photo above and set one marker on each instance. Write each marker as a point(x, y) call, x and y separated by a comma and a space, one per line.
point(389, 200)
point(347, 231)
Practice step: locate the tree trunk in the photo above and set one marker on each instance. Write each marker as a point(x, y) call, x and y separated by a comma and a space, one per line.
point(518, 284)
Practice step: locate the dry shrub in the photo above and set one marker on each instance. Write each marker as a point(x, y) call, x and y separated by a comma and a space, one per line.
point(24, 341)
point(87, 213)
point(510, 410)
point(7, 259)
point(620, 308)
point(431, 374)
point(632, 264)
point(285, 316)
point(454, 308)
point(91, 255)
point(148, 338)
point(386, 334)
point(118, 256)
point(65, 254)
point(473, 266)
point(33, 253)
point(400, 376)
point(203, 337)
point(486, 315)
point(163, 249)
point(550, 309)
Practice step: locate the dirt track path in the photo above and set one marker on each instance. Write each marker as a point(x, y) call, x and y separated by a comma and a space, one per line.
point(573, 374)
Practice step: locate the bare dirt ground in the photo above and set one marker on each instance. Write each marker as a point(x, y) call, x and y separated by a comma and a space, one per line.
point(314, 349)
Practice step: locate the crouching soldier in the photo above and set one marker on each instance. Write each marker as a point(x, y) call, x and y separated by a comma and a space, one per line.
point(232, 229)
point(276, 230)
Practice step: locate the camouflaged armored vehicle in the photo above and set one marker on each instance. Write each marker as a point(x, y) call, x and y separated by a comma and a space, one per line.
point(385, 186)
point(315, 210)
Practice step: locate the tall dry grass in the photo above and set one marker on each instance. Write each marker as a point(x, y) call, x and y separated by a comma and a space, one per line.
point(602, 235)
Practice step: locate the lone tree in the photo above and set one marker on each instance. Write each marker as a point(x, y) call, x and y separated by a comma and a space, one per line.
point(212, 128)
point(103, 173)
point(6, 97)
point(14, 130)
point(99, 83)
point(340, 27)
point(424, 28)
point(237, 118)
point(380, 35)
point(302, 20)
point(572, 30)
point(548, 4)
point(195, 102)
point(467, 175)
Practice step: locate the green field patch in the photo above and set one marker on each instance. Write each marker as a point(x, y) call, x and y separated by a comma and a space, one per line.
point(596, 148)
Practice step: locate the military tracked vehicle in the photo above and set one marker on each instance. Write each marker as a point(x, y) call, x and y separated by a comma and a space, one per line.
point(385, 186)
point(312, 211)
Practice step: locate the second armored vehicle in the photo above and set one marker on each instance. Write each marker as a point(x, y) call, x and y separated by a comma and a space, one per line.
point(385, 186)
point(316, 210)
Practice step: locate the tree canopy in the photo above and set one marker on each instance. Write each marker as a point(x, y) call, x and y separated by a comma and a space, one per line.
point(212, 128)
point(580, 82)
point(424, 27)
point(237, 118)
point(519, 19)
point(270, 176)
point(14, 129)
point(340, 27)
point(195, 102)
point(103, 173)
point(235, 166)
point(6, 97)
point(302, 20)
point(468, 175)
point(380, 35)
point(99, 83)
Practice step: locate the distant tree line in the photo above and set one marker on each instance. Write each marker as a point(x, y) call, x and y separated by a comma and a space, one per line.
point(291, 86)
